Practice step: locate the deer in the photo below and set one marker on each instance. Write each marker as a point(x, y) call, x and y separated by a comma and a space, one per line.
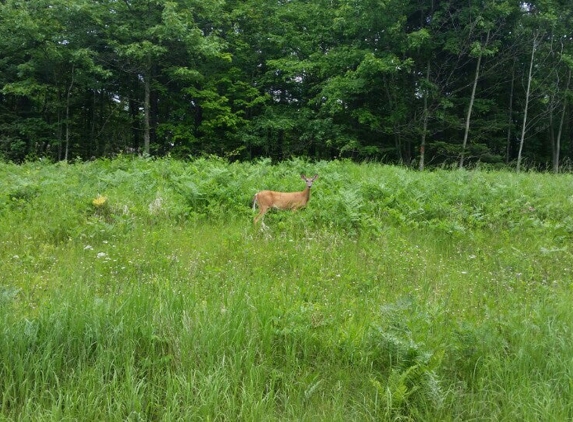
point(267, 199)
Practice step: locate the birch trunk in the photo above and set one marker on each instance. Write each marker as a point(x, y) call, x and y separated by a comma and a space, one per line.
point(510, 116)
point(69, 93)
point(146, 113)
point(527, 95)
point(472, 98)
point(425, 124)
point(560, 131)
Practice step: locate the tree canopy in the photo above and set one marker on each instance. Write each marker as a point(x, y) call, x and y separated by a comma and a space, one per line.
point(414, 82)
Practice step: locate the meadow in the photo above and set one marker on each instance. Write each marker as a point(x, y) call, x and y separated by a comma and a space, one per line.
point(138, 289)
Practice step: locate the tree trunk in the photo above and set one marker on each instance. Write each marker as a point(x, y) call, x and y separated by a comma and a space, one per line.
point(424, 123)
point(60, 129)
point(146, 113)
point(510, 116)
point(154, 119)
point(527, 95)
point(557, 148)
point(69, 93)
point(472, 98)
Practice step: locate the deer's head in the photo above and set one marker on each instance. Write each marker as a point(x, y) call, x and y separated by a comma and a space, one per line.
point(309, 180)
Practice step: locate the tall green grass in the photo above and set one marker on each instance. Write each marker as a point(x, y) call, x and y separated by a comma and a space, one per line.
point(396, 295)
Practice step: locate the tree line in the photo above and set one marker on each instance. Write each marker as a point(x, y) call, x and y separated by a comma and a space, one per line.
point(407, 81)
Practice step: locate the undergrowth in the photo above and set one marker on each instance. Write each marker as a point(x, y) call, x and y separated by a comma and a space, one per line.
point(137, 289)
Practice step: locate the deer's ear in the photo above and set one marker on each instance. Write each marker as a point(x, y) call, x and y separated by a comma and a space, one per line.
point(302, 176)
point(315, 177)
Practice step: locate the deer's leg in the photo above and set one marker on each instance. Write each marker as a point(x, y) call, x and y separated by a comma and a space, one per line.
point(261, 214)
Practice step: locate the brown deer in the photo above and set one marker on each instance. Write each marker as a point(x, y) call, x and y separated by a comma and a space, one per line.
point(282, 200)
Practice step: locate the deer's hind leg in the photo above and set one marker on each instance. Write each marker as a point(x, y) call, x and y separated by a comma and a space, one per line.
point(261, 214)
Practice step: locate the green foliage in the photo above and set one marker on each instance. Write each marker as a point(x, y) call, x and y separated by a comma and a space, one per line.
point(247, 79)
point(411, 385)
point(139, 289)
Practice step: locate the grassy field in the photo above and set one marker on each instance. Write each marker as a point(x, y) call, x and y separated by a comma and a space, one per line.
point(138, 290)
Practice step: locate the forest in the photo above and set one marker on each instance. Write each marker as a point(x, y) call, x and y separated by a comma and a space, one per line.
point(413, 82)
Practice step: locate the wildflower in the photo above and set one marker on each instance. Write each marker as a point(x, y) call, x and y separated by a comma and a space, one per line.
point(155, 206)
point(100, 201)
point(101, 254)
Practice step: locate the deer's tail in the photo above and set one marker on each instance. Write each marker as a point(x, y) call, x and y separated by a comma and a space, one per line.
point(255, 201)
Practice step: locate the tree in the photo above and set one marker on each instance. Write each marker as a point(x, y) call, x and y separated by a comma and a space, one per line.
point(432, 82)
point(46, 61)
point(535, 44)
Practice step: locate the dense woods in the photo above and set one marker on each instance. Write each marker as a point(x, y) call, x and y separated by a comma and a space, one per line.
point(414, 82)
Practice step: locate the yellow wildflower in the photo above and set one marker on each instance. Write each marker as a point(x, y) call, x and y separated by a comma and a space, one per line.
point(100, 201)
